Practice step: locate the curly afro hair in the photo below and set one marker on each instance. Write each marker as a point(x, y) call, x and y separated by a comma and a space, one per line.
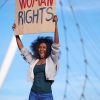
point(35, 45)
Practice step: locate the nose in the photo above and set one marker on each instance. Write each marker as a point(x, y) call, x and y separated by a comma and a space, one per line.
point(41, 49)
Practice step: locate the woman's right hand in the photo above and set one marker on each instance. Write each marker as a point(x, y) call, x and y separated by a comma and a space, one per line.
point(14, 26)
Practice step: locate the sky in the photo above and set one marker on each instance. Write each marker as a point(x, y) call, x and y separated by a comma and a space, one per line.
point(86, 14)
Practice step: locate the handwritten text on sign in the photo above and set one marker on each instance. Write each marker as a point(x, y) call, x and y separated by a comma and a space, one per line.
point(34, 16)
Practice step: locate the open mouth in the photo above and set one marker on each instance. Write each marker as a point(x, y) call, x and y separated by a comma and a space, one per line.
point(42, 55)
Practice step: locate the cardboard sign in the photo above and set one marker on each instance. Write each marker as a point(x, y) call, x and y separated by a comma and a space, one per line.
point(35, 16)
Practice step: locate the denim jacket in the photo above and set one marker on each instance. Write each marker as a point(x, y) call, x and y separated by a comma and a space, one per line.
point(51, 62)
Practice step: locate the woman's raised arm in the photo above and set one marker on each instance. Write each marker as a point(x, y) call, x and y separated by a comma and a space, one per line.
point(56, 36)
point(18, 40)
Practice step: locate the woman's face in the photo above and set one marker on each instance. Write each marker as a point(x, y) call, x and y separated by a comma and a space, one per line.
point(42, 50)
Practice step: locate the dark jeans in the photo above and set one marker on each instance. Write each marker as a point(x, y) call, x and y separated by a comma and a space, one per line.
point(40, 96)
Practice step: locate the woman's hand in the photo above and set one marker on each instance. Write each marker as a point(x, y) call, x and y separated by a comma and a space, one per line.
point(14, 26)
point(55, 19)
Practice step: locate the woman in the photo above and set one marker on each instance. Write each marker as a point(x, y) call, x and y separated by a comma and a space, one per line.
point(43, 64)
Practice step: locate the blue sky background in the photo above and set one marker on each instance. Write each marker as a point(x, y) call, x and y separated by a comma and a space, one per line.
point(87, 12)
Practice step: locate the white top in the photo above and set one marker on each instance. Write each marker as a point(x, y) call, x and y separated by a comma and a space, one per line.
point(51, 62)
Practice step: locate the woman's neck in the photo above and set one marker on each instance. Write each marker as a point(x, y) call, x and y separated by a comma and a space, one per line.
point(42, 61)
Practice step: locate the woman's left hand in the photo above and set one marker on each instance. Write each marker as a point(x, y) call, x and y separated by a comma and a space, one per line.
point(55, 19)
